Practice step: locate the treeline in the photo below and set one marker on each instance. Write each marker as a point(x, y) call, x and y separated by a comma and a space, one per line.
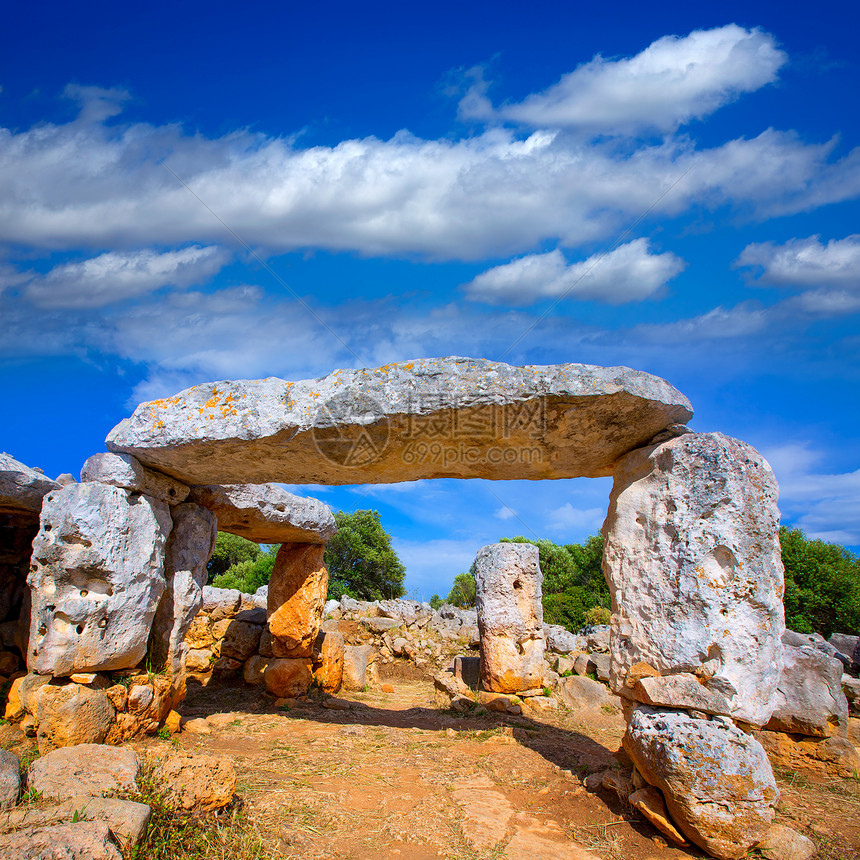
point(822, 584)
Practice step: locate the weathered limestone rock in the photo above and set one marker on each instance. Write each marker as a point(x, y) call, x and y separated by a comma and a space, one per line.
point(490, 420)
point(650, 803)
point(239, 639)
point(266, 513)
point(679, 691)
point(783, 843)
point(10, 779)
point(297, 592)
point(467, 670)
point(693, 562)
point(561, 640)
point(254, 671)
point(198, 782)
point(83, 840)
point(508, 584)
point(122, 470)
point(716, 780)
point(22, 488)
point(833, 755)
point(809, 698)
point(86, 769)
point(849, 646)
point(288, 678)
point(96, 579)
point(328, 660)
point(580, 693)
point(221, 603)
point(188, 550)
point(72, 714)
point(356, 661)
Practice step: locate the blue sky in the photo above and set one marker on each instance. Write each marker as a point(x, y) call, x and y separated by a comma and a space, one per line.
point(187, 190)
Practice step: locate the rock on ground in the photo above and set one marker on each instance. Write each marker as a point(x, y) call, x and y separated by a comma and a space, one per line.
point(288, 678)
point(72, 714)
point(84, 840)
point(783, 843)
point(86, 769)
point(356, 659)
point(581, 693)
point(267, 513)
point(809, 698)
point(716, 780)
point(21, 487)
point(10, 779)
point(197, 782)
point(328, 661)
point(296, 597)
point(508, 582)
point(355, 426)
point(849, 647)
point(693, 561)
point(96, 579)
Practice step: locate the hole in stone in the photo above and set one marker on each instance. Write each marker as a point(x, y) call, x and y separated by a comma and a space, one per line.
point(80, 628)
point(48, 527)
point(517, 584)
point(102, 622)
point(42, 629)
point(50, 607)
point(84, 592)
point(641, 520)
point(172, 492)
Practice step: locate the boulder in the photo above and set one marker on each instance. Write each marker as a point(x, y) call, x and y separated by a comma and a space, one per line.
point(197, 782)
point(783, 843)
point(809, 698)
point(10, 779)
point(219, 603)
point(716, 780)
point(851, 690)
point(240, 639)
point(355, 426)
point(288, 678)
point(71, 714)
point(121, 470)
point(297, 592)
point(328, 660)
point(96, 578)
point(581, 693)
point(254, 672)
point(405, 611)
point(508, 582)
point(187, 553)
point(681, 691)
point(562, 641)
point(467, 670)
point(849, 647)
point(692, 557)
point(83, 840)
point(356, 659)
point(601, 664)
point(380, 624)
point(21, 487)
point(85, 770)
point(831, 756)
point(597, 638)
point(266, 513)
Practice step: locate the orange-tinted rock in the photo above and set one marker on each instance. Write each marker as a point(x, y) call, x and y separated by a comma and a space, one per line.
point(833, 756)
point(288, 678)
point(328, 661)
point(650, 803)
point(297, 593)
point(197, 782)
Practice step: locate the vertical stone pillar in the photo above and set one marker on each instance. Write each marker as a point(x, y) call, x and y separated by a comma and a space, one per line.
point(508, 583)
point(188, 550)
point(693, 562)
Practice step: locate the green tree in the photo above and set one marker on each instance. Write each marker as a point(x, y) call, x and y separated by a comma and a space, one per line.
point(249, 575)
point(463, 592)
point(230, 550)
point(822, 585)
point(361, 561)
point(435, 601)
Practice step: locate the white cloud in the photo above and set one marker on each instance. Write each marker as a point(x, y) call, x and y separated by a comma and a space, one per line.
point(505, 513)
point(627, 274)
point(97, 103)
point(580, 520)
point(824, 505)
point(89, 185)
point(119, 275)
point(720, 323)
point(806, 263)
point(674, 80)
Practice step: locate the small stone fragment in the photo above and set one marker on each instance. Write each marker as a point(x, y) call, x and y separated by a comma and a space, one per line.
point(650, 803)
point(783, 843)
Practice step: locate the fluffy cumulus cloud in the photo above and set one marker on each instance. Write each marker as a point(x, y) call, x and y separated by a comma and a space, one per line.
point(674, 80)
point(119, 275)
point(806, 262)
point(92, 185)
point(628, 273)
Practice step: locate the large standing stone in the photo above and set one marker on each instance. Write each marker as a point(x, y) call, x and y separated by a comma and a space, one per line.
point(297, 592)
point(809, 698)
point(716, 780)
point(328, 660)
point(267, 513)
point(188, 549)
point(508, 582)
point(122, 470)
point(693, 562)
point(430, 418)
point(96, 579)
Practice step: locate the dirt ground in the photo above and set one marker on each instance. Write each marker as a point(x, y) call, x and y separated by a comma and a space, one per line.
point(397, 777)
